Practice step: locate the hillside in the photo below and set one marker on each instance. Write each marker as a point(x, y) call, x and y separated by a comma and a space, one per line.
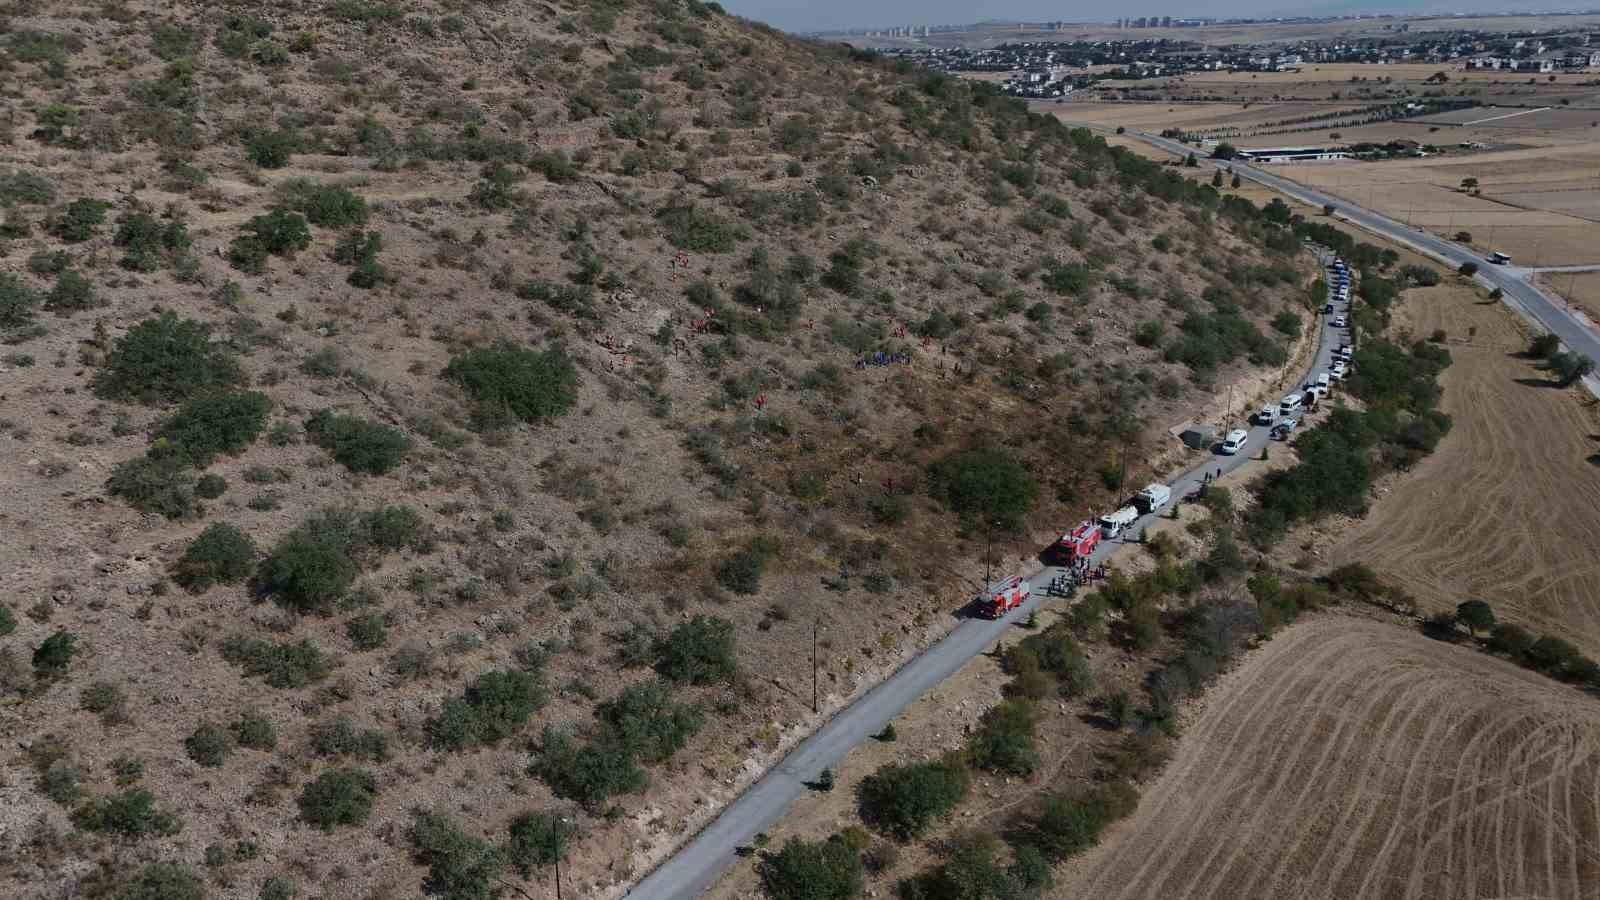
point(1355, 759)
point(428, 422)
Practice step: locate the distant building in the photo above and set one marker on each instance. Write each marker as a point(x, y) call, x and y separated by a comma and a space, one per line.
point(1293, 154)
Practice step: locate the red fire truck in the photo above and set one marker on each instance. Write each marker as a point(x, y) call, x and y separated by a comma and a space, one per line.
point(1076, 545)
point(1003, 596)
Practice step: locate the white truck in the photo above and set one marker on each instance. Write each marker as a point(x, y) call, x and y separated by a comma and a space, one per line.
point(1153, 497)
point(1113, 524)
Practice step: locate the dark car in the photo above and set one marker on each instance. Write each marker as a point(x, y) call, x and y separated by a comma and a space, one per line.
point(1280, 431)
point(1328, 308)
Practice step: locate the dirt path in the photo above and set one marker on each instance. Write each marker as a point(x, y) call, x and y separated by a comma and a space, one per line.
point(1352, 759)
point(1507, 510)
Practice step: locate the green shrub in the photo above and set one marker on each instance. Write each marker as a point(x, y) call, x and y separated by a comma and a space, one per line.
point(8, 620)
point(17, 301)
point(341, 737)
point(1065, 278)
point(814, 870)
point(279, 665)
point(158, 482)
point(209, 745)
point(222, 554)
point(26, 188)
point(51, 658)
point(163, 360)
point(536, 840)
point(148, 245)
point(1544, 346)
point(79, 220)
point(1070, 823)
point(494, 706)
point(985, 484)
point(254, 731)
point(210, 486)
point(338, 797)
point(904, 800)
point(1287, 323)
point(742, 571)
point(72, 293)
point(699, 651)
point(368, 632)
point(509, 383)
point(225, 422)
point(688, 227)
point(327, 206)
point(644, 722)
point(281, 232)
point(460, 867)
point(357, 444)
point(308, 570)
point(161, 881)
point(271, 149)
point(131, 814)
point(1004, 739)
point(590, 774)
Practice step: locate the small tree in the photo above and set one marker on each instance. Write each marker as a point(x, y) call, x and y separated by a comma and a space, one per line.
point(222, 554)
point(903, 800)
point(1463, 237)
point(1467, 269)
point(1191, 161)
point(338, 797)
point(1328, 209)
point(1216, 179)
point(1469, 184)
point(699, 651)
point(1236, 181)
point(51, 658)
point(1476, 615)
point(537, 839)
point(1226, 151)
point(813, 870)
point(1569, 367)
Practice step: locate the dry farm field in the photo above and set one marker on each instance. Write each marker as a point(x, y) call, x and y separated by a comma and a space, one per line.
point(1507, 509)
point(1349, 759)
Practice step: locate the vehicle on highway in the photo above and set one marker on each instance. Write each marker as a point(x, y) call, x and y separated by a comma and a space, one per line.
point(1498, 258)
point(1280, 431)
point(1154, 496)
point(1235, 441)
point(1290, 404)
point(1266, 415)
point(1003, 596)
point(1341, 322)
point(1328, 308)
point(1113, 524)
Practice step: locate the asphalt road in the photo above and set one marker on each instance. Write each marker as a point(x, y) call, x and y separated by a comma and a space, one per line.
point(1520, 294)
point(700, 862)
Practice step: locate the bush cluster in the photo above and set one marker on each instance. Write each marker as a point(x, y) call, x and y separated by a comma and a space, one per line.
point(217, 423)
point(166, 359)
point(222, 554)
point(280, 232)
point(281, 665)
point(814, 870)
point(313, 565)
point(494, 706)
point(984, 484)
point(904, 800)
point(699, 651)
point(147, 243)
point(358, 444)
point(640, 724)
point(508, 383)
point(338, 797)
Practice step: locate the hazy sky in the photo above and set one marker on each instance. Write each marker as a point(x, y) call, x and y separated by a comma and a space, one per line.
point(823, 15)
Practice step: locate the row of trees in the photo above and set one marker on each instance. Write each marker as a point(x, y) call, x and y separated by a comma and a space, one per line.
point(1551, 655)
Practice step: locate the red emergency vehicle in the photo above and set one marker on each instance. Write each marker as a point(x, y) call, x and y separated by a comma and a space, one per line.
point(1077, 544)
point(1003, 596)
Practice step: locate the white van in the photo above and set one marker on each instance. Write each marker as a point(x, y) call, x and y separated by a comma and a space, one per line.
point(1322, 381)
point(1290, 404)
point(1235, 441)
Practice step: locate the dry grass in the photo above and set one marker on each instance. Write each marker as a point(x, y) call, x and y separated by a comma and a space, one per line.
point(1353, 759)
point(1507, 507)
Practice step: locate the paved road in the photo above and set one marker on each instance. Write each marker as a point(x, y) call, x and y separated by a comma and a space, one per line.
point(1521, 295)
point(700, 862)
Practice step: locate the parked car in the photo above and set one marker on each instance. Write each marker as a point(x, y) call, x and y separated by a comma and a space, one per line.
point(1235, 441)
point(1280, 431)
point(1328, 308)
point(1337, 372)
point(1340, 322)
point(1266, 415)
point(1323, 379)
point(1316, 390)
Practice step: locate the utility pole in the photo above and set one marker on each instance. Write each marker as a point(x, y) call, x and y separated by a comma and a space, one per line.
point(815, 625)
point(988, 552)
point(560, 825)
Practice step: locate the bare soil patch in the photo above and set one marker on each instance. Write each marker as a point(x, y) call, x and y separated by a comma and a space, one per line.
point(1353, 759)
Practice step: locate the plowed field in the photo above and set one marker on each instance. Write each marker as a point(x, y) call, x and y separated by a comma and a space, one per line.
point(1349, 759)
point(1507, 510)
